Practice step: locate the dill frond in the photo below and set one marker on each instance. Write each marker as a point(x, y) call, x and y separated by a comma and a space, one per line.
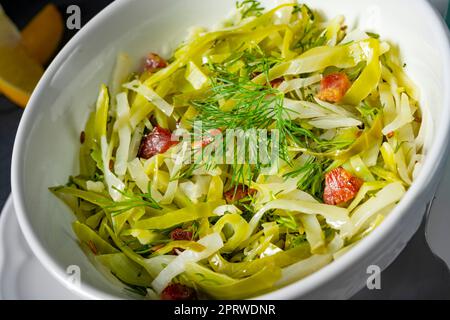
point(310, 176)
point(131, 201)
point(249, 8)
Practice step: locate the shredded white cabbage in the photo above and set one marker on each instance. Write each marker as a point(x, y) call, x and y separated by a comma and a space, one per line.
point(115, 186)
point(212, 244)
point(124, 130)
point(151, 96)
point(387, 196)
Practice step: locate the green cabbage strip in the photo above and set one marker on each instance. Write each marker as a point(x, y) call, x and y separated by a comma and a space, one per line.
point(222, 287)
point(174, 218)
point(389, 195)
point(314, 233)
point(240, 230)
point(162, 181)
point(365, 189)
point(303, 269)
point(144, 236)
point(368, 139)
point(335, 216)
point(89, 196)
point(313, 60)
point(320, 58)
point(94, 220)
point(125, 269)
point(370, 77)
point(101, 116)
point(87, 164)
point(181, 244)
point(360, 169)
point(115, 185)
point(89, 237)
point(212, 243)
point(129, 252)
point(248, 268)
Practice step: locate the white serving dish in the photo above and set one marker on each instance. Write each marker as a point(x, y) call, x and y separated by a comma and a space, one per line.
point(46, 148)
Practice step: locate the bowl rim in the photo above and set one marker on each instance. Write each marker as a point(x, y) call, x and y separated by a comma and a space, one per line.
point(429, 172)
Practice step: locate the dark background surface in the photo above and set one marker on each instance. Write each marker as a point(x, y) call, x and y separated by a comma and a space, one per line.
point(416, 274)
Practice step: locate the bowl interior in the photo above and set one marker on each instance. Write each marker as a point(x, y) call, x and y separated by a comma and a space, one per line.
point(59, 108)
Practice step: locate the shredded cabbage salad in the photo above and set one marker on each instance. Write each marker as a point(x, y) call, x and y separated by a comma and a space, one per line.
point(166, 207)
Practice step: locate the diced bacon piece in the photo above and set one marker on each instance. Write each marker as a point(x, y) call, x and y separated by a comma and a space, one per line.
point(334, 87)
point(178, 291)
point(181, 234)
point(340, 186)
point(154, 62)
point(158, 141)
point(238, 194)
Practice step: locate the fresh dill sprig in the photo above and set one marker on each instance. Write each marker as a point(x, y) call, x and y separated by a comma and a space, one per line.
point(131, 201)
point(249, 8)
point(355, 72)
point(304, 8)
point(308, 139)
point(288, 222)
point(310, 175)
point(297, 240)
point(373, 35)
point(368, 112)
point(313, 34)
point(253, 106)
point(312, 38)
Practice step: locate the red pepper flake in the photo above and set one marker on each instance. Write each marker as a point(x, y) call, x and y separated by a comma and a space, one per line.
point(340, 186)
point(334, 87)
point(238, 194)
point(178, 291)
point(111, 164)
point(181, 234)
point(154, 62)
point(92, 246)
point(82, 137)
point(158, 141)
point(276, 83)
point(391, 134)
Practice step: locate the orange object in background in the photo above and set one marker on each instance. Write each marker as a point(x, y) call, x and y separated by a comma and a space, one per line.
point(19, 73)
point(42, 36)
point(22, 54)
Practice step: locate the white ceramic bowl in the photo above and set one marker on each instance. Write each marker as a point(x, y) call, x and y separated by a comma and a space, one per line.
point(46, 148)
